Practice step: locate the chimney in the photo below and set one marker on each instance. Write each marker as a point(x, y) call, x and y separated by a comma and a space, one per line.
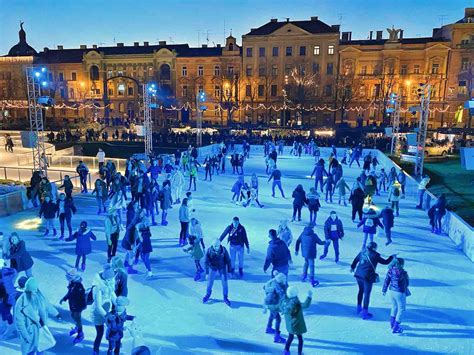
point(379, 35)
point(469, 12)
point(287, 19)
point(314, 18)
point(371, 35)
point(204, 46)
point(145, 44)
point(60, 47)
point(437, 32)
point(45, 49)
point(346, 36)
point(401, 34)
point(273, 20)
point(120, 44)
point(336, 27)
point(94, 46)
point(136, 44)
point(83, 46)
point(162, 43)
point(218, 45)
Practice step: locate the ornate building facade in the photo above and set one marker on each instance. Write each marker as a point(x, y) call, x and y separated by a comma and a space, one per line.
point(285, 73)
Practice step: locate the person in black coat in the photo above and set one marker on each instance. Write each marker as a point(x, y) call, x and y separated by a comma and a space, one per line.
point(278, 254)
point(365, 273)
point(65, 209)
point(77, 302)
point(357, 200)
point(48, 211)
point(217, 262)
point(237, 237)
point(388, 219)
point(20, 259)
point(299, 200)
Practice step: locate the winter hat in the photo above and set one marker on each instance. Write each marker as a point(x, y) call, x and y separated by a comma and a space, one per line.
point(117, 263)
point(291, 292)
point(31, 285)
point(84, 224)
point(280, 277)
point(108, 272)
point(73, 275)
point(21, 283)
point(371, 212)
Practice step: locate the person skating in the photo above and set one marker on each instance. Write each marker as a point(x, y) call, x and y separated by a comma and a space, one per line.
point(77, 302)
point(177, 185)
point(436, 214)
point(101, 195)
point(397, 282)
point(365, 265)
point(299, 200)
point(217, 262)
point(422, 190)
point(48, 211)
point(20, 258)
point(276, 176)
point(112, 232)
point(342, 189)
point(165, 202)
point(383, 178)
point(402, 179)
point(308, 241)
point(65, 210)
point(388, 220)
point(184, 221)
point(319, 171)
point(192, 175)
point(275, 292)
point(115, 323)
point(357, 201)
point(100, 158)
point(144, 245)
point(284, 232)
point(237, 238)
point(196, 246)
point(83, 238)
point(394, 197)
point(370, 222)
point(292, 308)
point(330, 184)
point(7, 299)
point(208, 162)
point(82, 171)
point(278, 254)
point(313, 205)
point(67, 186)
point(236, 188)
point(333, 231)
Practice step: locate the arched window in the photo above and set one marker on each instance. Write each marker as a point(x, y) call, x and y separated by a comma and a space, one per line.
point(94, 72)
point(165, 72)
point(231, 47)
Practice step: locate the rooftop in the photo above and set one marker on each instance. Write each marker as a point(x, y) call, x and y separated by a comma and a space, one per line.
point(313, 26)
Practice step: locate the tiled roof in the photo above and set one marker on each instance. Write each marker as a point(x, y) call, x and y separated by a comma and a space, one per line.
point(312, 26)
point(375, 42)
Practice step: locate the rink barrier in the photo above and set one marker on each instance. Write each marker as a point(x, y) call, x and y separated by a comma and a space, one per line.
point(13, 202)
point(460, 232)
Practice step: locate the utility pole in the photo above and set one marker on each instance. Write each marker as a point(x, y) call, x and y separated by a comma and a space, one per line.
point(424, 93)
point(396, 122)
point(149, 91)
point(35, 113)
point(200, 98)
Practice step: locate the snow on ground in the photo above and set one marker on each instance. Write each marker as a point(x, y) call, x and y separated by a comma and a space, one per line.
point(439, 317)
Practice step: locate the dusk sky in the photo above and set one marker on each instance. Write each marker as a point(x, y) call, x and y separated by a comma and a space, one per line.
point(71, 23)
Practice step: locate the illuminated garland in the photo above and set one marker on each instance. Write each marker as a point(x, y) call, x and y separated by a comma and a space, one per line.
point(5, 104)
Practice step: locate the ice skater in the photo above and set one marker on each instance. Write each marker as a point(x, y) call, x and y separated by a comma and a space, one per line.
point(196, 246)
point(217, 263)
point(237, 238)
point(275, 292)
point(333, 231)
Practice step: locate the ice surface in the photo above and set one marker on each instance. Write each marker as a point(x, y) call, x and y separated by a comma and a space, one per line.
point(440, 313)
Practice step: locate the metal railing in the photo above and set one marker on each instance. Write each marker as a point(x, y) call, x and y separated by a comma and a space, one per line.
point(92, 162)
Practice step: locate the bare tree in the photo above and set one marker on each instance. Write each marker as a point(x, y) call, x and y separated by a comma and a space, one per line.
point(347, 89)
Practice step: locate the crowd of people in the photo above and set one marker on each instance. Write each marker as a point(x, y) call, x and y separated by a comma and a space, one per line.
point(133, 202)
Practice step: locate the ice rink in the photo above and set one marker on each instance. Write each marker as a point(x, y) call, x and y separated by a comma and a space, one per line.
point(440, 313)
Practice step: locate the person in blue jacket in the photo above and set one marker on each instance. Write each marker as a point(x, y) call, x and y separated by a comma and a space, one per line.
point(299, 200)
point(333, 231)
point(48, 211)
point(278, 254)
point(237, 238)
point(387, 218)
point(370, 221)
point(308, 241)
point(319, 171)
point(83, 244)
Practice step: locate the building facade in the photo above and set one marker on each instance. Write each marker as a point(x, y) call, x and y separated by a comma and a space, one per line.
point(286, 73)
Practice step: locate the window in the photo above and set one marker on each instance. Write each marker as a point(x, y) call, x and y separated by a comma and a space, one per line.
point(184, 91)
point(94, 72)
point(416, 69)
point(275, 51)
point(73, 76)
point(62, 93)
point(328, 90)
point(50, 77)
point(120, 72)
point(404, 69)
point(329, 69)
point(130, 91)
point(261, 71)
point(363, 70)
point(110, 73)
point(184, 71)
point(230, 70)
point(316, 50)
point(111, 92)
point(273, 90)
point(121, 90)
point(348, 68)
point(217, 91)
point(289, 51)
point(61, 76)
point(391, 69)
point(71, 93)
point(464, 63)
point(303, 50)
point(248, 70)
point(217, 70)
point(331, 49)
point(261, 52)
point(200, 88)
point(462, 87)
point(274, 70)
point(287, 69)
point(249, 51)
point(200, 70)
point(261, 90)
point(376, 90)
point(248, 90)
point(435, 68)
point(165, 72)
point(315, 68)
point(302, 69)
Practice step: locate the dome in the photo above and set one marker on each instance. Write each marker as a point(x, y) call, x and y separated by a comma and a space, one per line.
point(22, 48)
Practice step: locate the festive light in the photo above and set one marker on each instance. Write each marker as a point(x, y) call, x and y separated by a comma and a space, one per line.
point(29, 224)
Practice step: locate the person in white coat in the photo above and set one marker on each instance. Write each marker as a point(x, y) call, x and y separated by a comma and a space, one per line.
point(177, 185)
point(100, 158)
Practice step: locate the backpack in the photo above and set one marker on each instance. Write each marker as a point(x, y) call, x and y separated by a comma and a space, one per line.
point(369, 222)
point(89, 296)
point(396, 192)
point(271, 297)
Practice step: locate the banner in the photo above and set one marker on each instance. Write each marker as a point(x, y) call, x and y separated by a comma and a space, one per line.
point(467, 158)
point(412, 139)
